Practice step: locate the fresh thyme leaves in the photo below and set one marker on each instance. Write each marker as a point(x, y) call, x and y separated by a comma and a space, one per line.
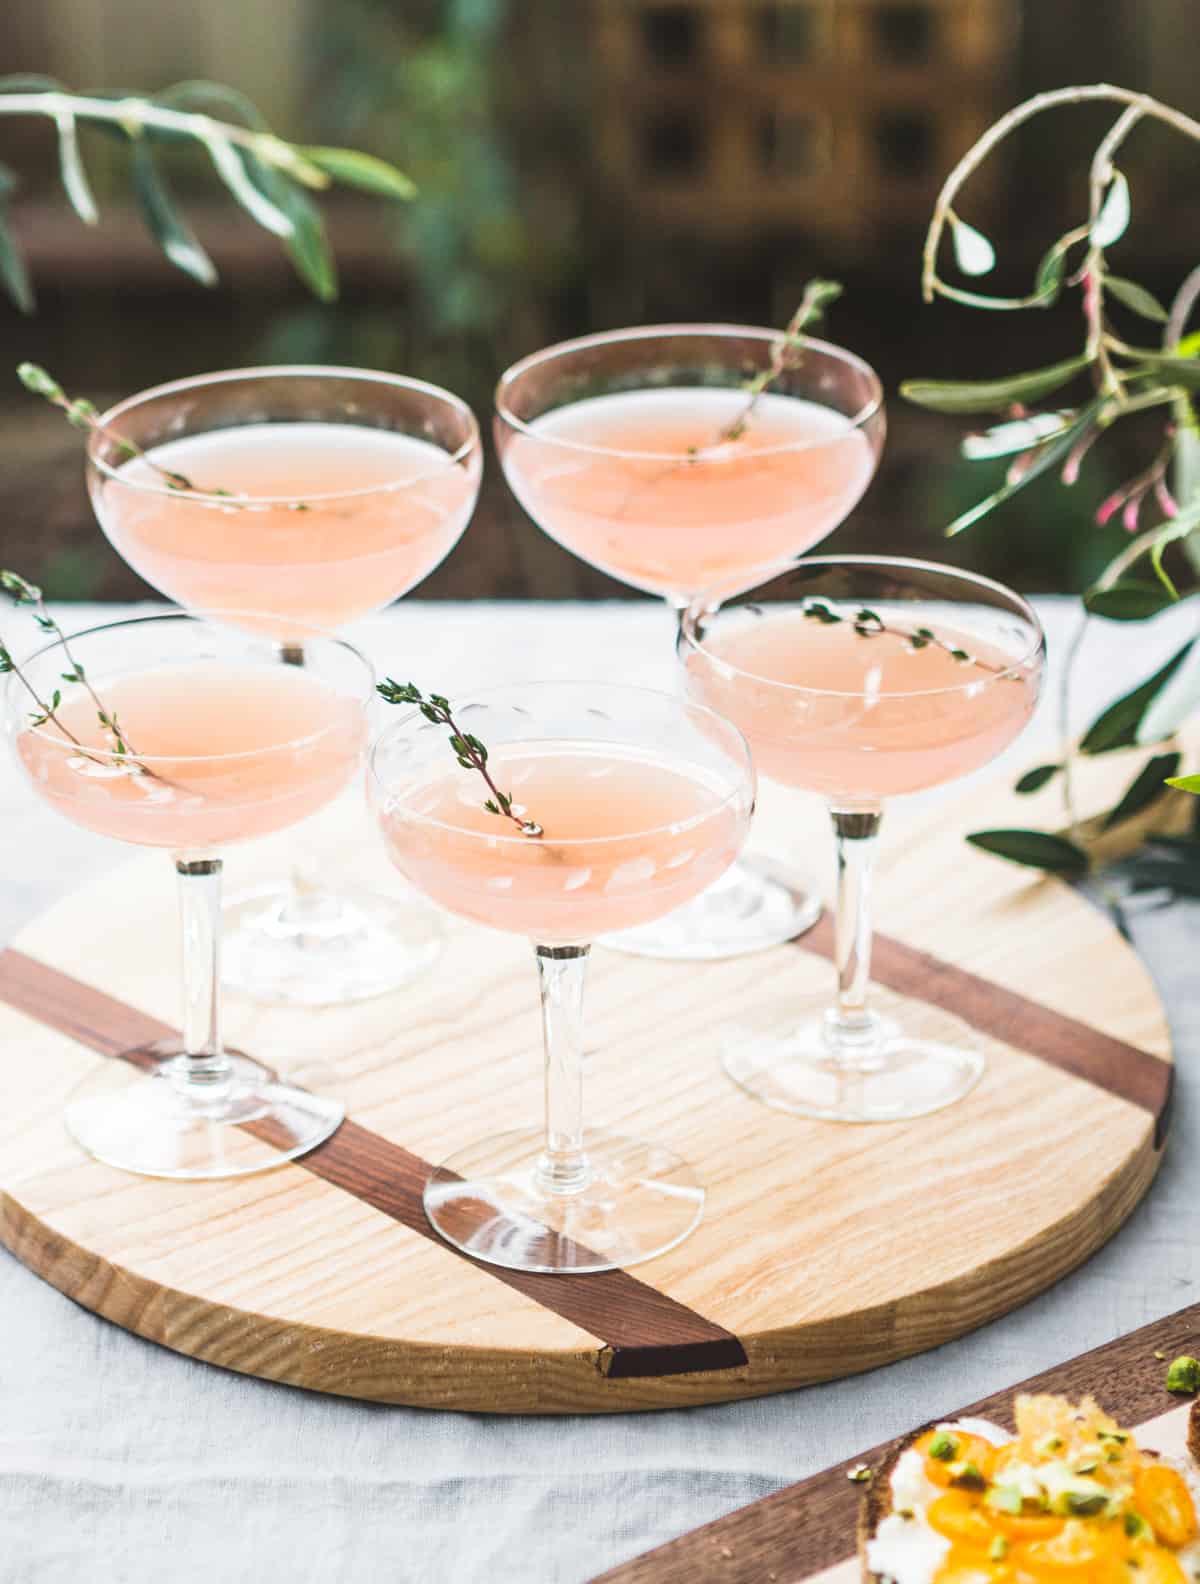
point(83, 414)
point(470, 752)
point(22, 592)
point(787, 352)
point(869, 624)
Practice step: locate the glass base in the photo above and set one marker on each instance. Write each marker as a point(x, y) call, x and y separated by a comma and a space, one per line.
point(146, 1120)
point(890, 1075)
point(294, 946)
point(488, 1201)
point(755, 904)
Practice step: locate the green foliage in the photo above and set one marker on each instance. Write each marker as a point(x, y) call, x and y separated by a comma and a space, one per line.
point(1035, 849)
point(265, 175)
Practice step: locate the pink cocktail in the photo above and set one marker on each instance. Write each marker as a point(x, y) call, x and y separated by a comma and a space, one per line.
point(641, 451)
point(317, 495)
point(320, 494)
point(218, 740)
point(642, 800)
point(864, 678)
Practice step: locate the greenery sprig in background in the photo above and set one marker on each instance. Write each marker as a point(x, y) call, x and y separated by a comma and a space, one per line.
point(1124, 377)
point(270, 178)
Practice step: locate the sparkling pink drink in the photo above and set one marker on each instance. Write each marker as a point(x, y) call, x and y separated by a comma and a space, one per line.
point(627, 836)
point(342, 518)
point(861, 718)
point(644, 485)
point(237, 751)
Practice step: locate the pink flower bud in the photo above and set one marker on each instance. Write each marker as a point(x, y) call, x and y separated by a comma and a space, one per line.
point(1167, 501)
point(1110, 507)
point(1129, 517)
point(1071, 467)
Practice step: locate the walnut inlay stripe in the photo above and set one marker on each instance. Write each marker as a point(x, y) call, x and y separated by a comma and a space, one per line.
point(1111, 1064)
point(645, 1332)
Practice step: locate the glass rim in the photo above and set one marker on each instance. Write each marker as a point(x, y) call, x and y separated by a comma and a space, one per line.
point(708, 606)
point(396, 727)
point(471, 445)
point(202, 619)
point(506, 415)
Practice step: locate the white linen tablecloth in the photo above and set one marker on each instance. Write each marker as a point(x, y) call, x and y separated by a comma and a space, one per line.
point(122, 1461)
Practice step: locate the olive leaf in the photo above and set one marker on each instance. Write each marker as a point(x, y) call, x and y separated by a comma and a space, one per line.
point(1145, 789)
point(361, 170)
point(1035, 780)
point(165, 223)
point(1118, 726)
point(74, 177)
point(13, 275)
point(1172, 705)
point(308, 245)
point(1048, 456)
point(227, 163)
point(1174, 370)
point(1136, 297)
point(973, 252)
point(1018, 434)
point(1132, 599)
point(996, 395)
point(1036, 849)
point(1113, 220)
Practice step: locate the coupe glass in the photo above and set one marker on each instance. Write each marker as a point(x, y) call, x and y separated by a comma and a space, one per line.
point(349, 486)
point(224, 741)
point(863, 678)
point(637, 451)
point(643, 800)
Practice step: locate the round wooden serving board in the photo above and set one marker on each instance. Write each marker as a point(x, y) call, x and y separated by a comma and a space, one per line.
point(823, 1250)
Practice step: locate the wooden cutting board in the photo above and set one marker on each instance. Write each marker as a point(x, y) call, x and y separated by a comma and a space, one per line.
point(806, 1533)
point(821, 1246)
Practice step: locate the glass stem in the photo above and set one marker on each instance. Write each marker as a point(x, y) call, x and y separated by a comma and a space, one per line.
point(205, 1068)
point(563, 1167)
point(850, 1027)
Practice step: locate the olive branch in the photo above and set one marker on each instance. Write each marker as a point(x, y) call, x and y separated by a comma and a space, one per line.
point(1126, 378)
point(268, 177)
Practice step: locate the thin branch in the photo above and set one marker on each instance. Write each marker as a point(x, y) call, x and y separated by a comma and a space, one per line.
point(975, 156)
point(136, 114)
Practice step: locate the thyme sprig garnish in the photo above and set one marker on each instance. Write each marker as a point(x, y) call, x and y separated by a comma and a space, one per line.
point(23, 592)
point(869, 624)
point(470, 752)
point(84, 414)
point(787, 352)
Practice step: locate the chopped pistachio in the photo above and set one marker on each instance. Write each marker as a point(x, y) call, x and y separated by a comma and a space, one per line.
point(1050, 1443)
point(860, 1474)
point(943, 1447)
point(905, 1513)
point(1183, 1375)
point(1086, 1504)
point(1136, 1527)
point(1088, 1466)
point(967, 1474)
point(1120, 1436)
point(998, 1549)
point(1005, 1498)
point(1112, 1455)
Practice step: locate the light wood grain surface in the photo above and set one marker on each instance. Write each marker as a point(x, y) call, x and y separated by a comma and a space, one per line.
point(823, 1249)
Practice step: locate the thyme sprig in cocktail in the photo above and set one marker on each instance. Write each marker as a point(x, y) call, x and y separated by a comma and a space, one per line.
point(46, 711)
point(470, 752)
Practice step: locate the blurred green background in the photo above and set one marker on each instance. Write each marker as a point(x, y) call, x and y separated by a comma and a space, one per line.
point(584, 164)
